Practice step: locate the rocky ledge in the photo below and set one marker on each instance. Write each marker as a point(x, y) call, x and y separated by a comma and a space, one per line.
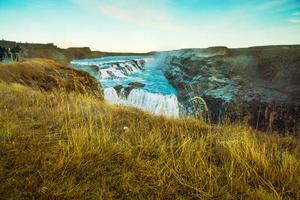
point(260, 85)
point(123, 91)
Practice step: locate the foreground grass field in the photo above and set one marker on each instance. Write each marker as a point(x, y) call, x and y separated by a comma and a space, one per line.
point(58, 145)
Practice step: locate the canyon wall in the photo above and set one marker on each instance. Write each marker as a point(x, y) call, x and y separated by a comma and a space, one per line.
point(259, 84)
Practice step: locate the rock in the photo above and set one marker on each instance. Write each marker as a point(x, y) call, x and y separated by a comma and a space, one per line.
point(136, 85)
point(118, 88)
point(95, 68)
point(124, 91)
point(261, 84)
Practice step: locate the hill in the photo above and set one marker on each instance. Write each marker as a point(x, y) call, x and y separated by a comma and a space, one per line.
point(51, 51)
point(47, 75)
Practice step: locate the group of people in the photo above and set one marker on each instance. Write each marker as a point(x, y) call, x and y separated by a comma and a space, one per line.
point(12, 54)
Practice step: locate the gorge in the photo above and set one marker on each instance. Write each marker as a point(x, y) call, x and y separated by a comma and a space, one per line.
point(257, 84)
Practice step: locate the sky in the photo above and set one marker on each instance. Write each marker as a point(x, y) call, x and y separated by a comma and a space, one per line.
point(151, 25)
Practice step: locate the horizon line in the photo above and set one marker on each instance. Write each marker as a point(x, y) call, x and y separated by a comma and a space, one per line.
point(151, 51)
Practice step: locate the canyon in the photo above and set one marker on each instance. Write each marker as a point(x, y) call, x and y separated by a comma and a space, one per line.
point(257, 85)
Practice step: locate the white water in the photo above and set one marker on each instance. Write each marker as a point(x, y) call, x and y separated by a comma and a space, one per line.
point(157, 96)
point(112, 68)
point(111, 95)
point(155, 103)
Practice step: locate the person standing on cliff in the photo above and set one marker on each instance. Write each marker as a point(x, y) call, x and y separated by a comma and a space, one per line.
point(16, 53)
point(2, 53)
point(9, 54)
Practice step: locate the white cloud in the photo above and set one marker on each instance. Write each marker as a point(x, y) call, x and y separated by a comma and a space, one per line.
point(149, 18)
point(279, 5)
point(296, 14)
point(295, 21)
point(146, 26)
point(271, 4)
point(146, 14)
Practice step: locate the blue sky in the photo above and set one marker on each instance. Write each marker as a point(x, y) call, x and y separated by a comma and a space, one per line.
point(146, 25)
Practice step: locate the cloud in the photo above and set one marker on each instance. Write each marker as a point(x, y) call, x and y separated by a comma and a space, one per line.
point(271, 4)
point(279, 5)
point(157, 25)
point(145, 14)
point(296, 14)
point(143, 17)
point(294, 21)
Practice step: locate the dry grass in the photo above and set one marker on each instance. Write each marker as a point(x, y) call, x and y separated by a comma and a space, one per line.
point(57, 145)
point(48, 75)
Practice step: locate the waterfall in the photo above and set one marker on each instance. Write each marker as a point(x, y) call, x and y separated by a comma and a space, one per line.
point(120, 69)
point(136, 81)
point(155, 103)
point(113, 69)
point(110, 94)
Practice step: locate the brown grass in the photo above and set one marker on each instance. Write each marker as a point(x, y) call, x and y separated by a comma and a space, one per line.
point(58, 145)
point(48, 75)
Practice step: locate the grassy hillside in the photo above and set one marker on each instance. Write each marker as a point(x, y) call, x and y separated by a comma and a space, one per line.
point(47, 75)
point(58, 144)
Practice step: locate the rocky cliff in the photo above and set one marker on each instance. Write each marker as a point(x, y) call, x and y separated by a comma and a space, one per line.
point(258, 84)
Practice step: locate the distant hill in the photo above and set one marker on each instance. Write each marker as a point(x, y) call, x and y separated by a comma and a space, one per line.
point(51, 51)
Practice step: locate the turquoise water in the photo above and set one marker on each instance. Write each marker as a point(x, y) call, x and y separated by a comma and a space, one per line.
point(151, 75)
